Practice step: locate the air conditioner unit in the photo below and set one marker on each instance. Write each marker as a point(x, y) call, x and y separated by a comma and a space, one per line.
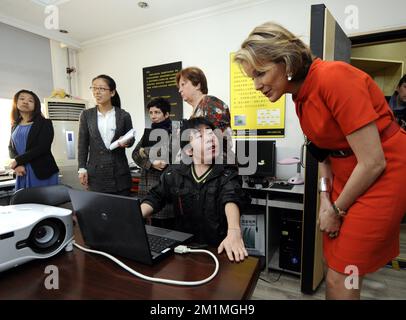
point(65, 114)
point(64, 109)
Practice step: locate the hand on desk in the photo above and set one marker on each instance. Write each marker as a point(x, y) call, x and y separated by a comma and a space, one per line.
point(233, 244)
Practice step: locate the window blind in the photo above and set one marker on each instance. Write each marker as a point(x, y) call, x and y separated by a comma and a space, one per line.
point(25, 62)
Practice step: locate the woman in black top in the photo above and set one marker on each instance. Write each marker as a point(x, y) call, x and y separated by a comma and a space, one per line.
point(30, 143)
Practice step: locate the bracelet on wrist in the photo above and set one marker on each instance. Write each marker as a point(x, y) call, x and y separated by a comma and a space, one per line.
point(339, 212)
point(324, 184)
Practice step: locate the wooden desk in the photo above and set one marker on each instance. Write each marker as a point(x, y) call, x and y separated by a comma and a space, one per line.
point(89, 276)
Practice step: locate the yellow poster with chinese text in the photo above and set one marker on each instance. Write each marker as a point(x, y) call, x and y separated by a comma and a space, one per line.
point(252, 114)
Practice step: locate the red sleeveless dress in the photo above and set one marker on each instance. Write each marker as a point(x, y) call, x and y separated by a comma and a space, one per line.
point(335, 100)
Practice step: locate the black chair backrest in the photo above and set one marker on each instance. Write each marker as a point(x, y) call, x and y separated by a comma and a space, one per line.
point(50, 195)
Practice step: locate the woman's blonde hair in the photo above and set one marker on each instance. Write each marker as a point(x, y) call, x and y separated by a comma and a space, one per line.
point(270, 42)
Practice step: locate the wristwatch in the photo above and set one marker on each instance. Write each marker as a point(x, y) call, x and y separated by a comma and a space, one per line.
point(338, 211)
point(324, 184)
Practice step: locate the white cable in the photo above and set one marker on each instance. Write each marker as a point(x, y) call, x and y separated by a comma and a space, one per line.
point(178, 249)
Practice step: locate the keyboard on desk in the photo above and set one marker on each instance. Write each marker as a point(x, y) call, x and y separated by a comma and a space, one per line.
point(158, 244)
point(281, 185)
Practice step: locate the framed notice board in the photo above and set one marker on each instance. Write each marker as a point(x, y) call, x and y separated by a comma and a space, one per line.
point(252, 114)
point(160, 81)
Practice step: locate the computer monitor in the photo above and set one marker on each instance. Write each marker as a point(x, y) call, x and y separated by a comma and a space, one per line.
point(265, 152)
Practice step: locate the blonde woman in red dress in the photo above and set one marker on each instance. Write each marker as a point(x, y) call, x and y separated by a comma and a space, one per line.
point(340, 108)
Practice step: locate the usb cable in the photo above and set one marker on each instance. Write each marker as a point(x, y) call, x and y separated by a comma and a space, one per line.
point(179, 249)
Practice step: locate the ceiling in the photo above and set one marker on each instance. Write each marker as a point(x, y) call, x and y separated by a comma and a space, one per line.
point(91, 19)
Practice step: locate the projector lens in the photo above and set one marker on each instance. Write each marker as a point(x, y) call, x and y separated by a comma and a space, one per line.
point(44, 234)
point(47, 235)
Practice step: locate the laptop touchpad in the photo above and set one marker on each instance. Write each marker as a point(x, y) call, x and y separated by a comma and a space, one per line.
point(158, 231)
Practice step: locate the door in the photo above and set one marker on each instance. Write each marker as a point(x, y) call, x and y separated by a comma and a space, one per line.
point(328, 42)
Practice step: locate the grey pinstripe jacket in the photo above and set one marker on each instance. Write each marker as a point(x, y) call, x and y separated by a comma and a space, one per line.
point(108, 171)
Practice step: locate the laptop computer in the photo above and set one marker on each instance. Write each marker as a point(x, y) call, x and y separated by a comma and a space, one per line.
point(114, 224)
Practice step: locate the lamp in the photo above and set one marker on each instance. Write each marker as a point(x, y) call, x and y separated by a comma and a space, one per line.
point(297, 179)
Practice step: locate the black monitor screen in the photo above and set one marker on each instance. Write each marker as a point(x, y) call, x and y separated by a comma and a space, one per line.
point(265, 156)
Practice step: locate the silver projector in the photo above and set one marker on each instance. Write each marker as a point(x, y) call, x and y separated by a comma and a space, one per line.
point(33, 231)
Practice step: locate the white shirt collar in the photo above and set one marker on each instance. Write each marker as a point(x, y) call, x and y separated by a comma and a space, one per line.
point(110, 112)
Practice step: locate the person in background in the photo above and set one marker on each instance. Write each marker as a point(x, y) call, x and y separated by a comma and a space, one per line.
point(102, 169)
point(158, 110)
point(398, 102)
point(341, 110)
point(206, 197)
point(30, 143)
point(192, 84)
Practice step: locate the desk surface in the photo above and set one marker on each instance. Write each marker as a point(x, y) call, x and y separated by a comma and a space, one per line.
point(89, 276)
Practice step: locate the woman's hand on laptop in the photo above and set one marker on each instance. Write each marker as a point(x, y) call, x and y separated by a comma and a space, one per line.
point(146, 210)
point(234, 246)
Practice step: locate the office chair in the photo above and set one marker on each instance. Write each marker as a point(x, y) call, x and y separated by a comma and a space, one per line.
point(56, 195)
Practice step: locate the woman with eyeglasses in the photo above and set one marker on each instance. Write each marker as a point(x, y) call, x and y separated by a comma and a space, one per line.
point(102, 169)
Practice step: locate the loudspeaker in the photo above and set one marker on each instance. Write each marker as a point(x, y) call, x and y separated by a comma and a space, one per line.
point(265, 183)
point(252, 181)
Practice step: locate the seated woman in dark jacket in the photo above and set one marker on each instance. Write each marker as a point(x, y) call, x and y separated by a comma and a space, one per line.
point(206, 197)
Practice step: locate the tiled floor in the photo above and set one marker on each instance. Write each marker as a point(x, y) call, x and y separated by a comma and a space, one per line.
point(387, 283)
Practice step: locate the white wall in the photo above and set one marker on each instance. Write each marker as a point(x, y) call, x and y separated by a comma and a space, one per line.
point(206, 41)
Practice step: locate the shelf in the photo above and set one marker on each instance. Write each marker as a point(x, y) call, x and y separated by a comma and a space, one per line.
point(259, 202)
point(386, 73)
point(285, 204)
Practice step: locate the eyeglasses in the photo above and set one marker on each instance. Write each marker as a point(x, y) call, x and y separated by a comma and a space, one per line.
point(100, 89)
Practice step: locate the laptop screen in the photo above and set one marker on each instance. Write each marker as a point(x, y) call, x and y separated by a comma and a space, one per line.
point(114, 224)
point(111, 223)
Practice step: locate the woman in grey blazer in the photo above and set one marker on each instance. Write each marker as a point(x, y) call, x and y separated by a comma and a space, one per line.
point(102, 169)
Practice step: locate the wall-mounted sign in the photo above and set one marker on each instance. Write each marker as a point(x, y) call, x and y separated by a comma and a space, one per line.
point(252, 114)
point(160, 81)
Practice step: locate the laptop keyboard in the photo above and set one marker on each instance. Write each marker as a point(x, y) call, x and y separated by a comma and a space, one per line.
point(157, 244)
